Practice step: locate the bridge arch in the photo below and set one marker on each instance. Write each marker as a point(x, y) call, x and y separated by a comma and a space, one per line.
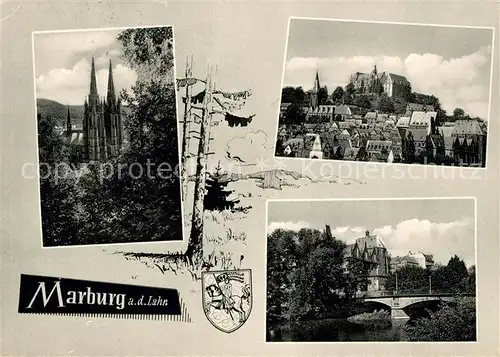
point(377, 305)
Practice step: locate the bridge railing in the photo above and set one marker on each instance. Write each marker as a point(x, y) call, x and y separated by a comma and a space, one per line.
point(376, 294)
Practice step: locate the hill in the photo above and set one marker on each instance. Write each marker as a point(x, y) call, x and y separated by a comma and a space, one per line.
point(59, 111)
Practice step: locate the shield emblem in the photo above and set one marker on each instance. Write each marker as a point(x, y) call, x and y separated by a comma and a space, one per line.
point(227, 298)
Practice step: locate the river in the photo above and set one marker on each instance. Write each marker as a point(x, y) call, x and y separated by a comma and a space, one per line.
point(336, 330)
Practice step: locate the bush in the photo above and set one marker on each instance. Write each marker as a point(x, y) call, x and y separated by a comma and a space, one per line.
point(454, 322)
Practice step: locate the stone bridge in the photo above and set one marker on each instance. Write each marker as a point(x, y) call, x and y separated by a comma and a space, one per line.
point(397, 303)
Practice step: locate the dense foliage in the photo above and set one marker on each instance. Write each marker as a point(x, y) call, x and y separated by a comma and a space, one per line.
point(306, 276)
point(451, 278)
point(453, 322)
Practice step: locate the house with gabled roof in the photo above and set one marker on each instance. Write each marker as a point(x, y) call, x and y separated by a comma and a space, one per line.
point(469, 142)
point(395, 85)
point(371, 250)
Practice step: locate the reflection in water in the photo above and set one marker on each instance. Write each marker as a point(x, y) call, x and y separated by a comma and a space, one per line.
point(336, 330)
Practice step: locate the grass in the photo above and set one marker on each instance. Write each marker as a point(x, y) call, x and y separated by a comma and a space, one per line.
point(223, 248)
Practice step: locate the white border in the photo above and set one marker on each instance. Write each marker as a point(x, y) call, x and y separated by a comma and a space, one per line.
point(179, 138)
point(492, 58)
point(278, 343)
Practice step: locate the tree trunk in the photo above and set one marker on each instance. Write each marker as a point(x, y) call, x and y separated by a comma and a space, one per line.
point(185, 136)
point(194, 252)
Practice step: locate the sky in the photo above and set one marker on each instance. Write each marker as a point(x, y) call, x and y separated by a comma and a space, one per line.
point(442, 227)
point(63, 62)
point(453, 63)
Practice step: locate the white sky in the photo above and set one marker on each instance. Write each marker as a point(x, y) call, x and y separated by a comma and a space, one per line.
point(452, 63)
point(63, 62)
point(442, 227)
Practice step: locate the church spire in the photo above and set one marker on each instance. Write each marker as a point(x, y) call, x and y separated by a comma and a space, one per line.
point(68, 122)
point(315, 92)
point(111, 99)
point(93, 96)
point(317, 86)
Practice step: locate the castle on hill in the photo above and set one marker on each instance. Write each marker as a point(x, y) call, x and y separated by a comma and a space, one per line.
point(394, 85)
point(101, 137)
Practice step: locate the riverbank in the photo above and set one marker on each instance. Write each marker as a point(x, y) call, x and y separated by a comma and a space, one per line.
point(373, 320)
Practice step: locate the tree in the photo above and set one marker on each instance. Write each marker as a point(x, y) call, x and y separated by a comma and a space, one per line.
point(378, 88)
point(411, 279)
point(458, 271)
point(338, 154)
point(216, 196)
point(349, 89)
point(409, 149)
point(338, 95)
point(58, 193)
point(149, 204)
point(281, 262)
point(322, 95)
point(453, 322)
point(294, 114)
point(293, 95)
point(305, 274)
point(429, 149)
point(458, 113)
point(385, 104)
point(362, 155)
point(399, 105)
point(362, 101)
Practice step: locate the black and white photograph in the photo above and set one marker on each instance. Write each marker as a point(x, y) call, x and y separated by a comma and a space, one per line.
point(385, 93)
point(371, 270)
point(107, 136)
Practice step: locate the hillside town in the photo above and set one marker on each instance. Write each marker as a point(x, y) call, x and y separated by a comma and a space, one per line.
point(377, 118)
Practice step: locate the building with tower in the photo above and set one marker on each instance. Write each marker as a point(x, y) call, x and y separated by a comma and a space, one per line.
point(101, 137)
point(315, 92)
point(393, 85)
point(371, 251)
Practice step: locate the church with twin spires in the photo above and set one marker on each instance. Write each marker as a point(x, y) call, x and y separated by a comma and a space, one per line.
point(101, 137)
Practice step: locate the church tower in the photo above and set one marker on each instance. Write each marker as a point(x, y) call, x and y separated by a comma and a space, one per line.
point(102, 132)
point(68, 123)
point(315, 92)
point(375, 79)
point(112, 116)
point(91, 120)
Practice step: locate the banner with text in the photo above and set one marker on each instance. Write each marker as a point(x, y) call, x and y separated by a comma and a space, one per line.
point(51, 295)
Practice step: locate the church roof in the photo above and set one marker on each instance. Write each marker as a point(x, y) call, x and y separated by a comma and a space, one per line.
point(403, 122)
point(350, 153)
point(295, 141)
point(73, 138)
point(371, 115)
point(419, 118)
point(465, 126)
point(343, 110)
point(396, 78)
point(378, 144)
point(420, 107)
point(324, 109)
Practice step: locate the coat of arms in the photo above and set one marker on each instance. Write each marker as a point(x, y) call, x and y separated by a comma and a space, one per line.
point(227, 298)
